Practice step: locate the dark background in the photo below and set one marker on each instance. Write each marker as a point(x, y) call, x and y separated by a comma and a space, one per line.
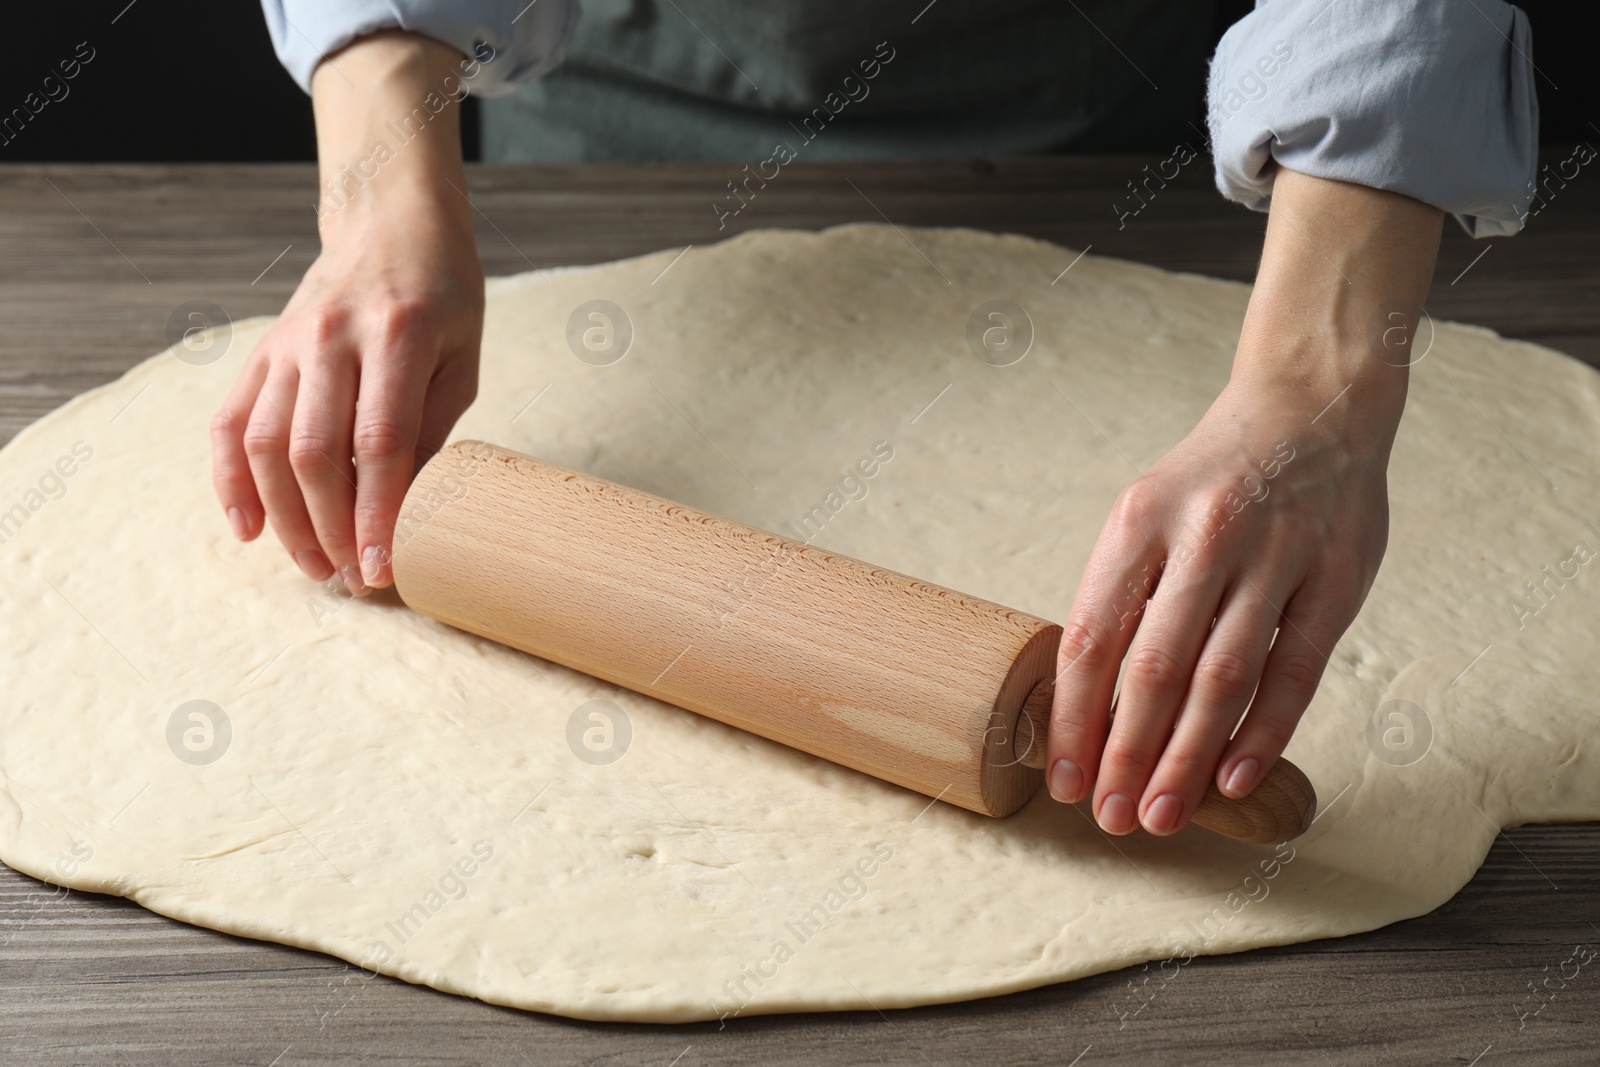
point(196, 80)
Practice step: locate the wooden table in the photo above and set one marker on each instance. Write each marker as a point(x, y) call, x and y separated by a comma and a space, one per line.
point(92, 260)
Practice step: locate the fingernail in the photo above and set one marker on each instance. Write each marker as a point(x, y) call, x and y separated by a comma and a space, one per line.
point(314, 563)
point(236, 519)
point(1242, 777)
point(352, 580)
point(1116, 814)
point(372, 561)
point(1161, 817)
point(1066, 781)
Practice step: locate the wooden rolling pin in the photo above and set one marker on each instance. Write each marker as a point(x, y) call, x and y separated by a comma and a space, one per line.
point(907, 681)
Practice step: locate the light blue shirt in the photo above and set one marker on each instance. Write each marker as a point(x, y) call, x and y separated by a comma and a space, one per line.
point(1434, 99)
point(1431, 98)
point(515, 40)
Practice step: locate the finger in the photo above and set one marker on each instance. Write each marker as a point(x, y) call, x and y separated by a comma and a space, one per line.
point(1225, 676)
point(235, 486)
point(319, 455)
point(450, 393)
point(1121, 576)
point(1311, 625)
point(266, 443)
point(1155, 678)
point(388, 419)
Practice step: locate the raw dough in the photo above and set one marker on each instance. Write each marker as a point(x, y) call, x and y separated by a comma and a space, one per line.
point(407, 797)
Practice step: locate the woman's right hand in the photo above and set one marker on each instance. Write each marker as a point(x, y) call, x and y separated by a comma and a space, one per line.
point(376, 355)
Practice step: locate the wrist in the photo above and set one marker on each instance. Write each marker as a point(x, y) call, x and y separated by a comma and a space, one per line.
point(1364, 354)
point(389, 133)
point(1336, 393)
point(1338, 302)
point(427, 206)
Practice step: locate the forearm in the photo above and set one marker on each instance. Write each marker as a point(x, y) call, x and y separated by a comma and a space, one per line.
point(389, 130)
point(1344, 272)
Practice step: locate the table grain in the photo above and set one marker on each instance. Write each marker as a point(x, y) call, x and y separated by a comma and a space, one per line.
point(94, 259)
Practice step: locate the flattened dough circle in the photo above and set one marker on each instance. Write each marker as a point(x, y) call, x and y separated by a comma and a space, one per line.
point(406, 797)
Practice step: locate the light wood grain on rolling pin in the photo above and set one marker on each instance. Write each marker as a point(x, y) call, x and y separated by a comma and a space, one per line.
point(905, 680)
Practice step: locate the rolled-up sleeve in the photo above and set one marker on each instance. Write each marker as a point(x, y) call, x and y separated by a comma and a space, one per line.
point(1434, 99)
point(515, 41)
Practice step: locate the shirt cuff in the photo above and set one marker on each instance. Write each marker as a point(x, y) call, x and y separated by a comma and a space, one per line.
point(1430, 98)
point(513, 42)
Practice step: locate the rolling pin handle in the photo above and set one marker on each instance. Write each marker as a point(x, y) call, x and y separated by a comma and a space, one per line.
point(1280, 807)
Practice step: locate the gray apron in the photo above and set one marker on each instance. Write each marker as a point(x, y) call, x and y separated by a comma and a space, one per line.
point(836, 79)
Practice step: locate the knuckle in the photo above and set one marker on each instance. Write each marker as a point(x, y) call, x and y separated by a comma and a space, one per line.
point(1186, 766)
point(326, 324)
point(1154, 669)
point(378, 439)
point(264, 439)
point(1070, 729)
point(375, 518)
point(1222, 502)
point(1225, 673)
point(228, 423)
point(310, 450)
point(1299, 675)
point(336, 543)
point(1135, 506)
point(400, 317)
point(1125, 763)
point(1268, 737)
point(1080, 648)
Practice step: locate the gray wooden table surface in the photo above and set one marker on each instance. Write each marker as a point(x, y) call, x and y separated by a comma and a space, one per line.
point(92, 261)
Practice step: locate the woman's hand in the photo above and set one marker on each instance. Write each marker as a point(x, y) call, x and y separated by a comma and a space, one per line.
point(376, 355)
point(1225, 576)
